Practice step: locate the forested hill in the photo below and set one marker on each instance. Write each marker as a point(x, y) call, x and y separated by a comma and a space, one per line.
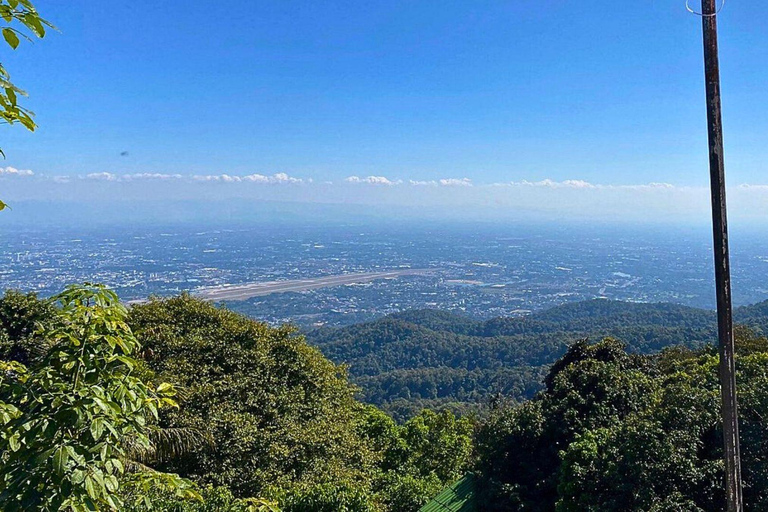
point(429, 358)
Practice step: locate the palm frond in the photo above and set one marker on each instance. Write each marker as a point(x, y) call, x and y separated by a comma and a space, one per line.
point(166, 444)
point(170, 443)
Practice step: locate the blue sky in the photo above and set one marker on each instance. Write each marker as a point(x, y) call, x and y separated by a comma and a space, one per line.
point(600, 93)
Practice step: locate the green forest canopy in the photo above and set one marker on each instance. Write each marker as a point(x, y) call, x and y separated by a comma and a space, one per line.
point(249, 412)
point(237, 415)
point(434, 359)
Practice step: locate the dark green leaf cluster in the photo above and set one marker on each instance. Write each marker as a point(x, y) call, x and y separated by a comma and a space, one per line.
point(278, 411)
point(616, 431)
point(283, 420)
point(67, 420)
point(22, 316)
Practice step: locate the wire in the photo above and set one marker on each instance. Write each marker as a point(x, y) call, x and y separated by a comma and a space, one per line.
point(688, 6)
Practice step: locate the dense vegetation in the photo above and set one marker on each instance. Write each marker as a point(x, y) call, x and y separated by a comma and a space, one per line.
point(182, 406)
point(77, 417)
point(407, 361)
point(616, 431)
point(187, 406)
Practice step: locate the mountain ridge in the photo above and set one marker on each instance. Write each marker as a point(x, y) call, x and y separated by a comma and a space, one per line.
point(417, 358)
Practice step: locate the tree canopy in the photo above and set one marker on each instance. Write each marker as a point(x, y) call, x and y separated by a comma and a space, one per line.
point(254, 417)
point(615, 431)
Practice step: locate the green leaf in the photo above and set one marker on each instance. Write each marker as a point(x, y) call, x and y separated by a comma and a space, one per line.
point(28, 123)
point(97, 428)
point(111, 483)
point(90, 488)
point(11, 38)
point(60, 458)
point(165, 386)
point(32, 21)
point(78, 476)
point(14, 443)
point(118, 465)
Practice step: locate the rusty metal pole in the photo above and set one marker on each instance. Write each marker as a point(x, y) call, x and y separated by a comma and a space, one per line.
point(722, 264)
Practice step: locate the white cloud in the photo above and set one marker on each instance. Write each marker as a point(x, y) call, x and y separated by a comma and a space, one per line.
point(373, 180)
point(256, 178)
point(279, 178)
point(102, 176)
point(150, 176)
point(109, 176)
point(284, 178)
point(455, 182)
point(217, 177)
point(577, 184)
point(544, 196)
point(583, 185)
point(548, 183)
point(445, 182)
point(649, 186)
point(12, 171)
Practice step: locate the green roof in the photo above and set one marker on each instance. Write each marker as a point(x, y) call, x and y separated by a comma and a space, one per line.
point(459, 497)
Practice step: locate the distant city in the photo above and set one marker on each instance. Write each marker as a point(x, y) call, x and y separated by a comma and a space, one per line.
point(346, 274)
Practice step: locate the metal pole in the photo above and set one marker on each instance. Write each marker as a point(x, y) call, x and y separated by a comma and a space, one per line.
point(722, 265)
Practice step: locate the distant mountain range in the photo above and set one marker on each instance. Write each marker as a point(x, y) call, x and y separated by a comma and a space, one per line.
point(428, 358)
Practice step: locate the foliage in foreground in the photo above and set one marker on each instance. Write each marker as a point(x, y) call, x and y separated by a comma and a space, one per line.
point(18, 20)
point(277, 424)
point(613, 431)
point(67, 421)
point(263, 420)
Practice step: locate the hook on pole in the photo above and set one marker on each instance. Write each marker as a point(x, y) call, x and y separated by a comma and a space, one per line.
point(690, 9)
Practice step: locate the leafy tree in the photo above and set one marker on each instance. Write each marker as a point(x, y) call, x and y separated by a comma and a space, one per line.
point(439, 444)
point(615, 432)
point(328, 497)
point(212, 499)
point(281, 415)
point(418, 458)
point(259, 411)
point(66, 421)
point(21, 316)
point(592, 386)
point(753, 427)
point(407, 492)
point(21, 21)
point(284, 420)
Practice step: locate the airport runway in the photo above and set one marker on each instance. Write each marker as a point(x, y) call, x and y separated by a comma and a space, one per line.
point(246, 291)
